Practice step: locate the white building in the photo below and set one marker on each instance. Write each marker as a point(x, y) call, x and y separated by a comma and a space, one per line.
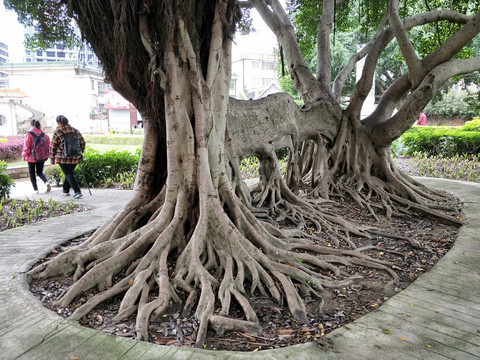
point(54, 88)
point(3, 60)
point(9, 98)
point(252, 73)
point(122, 115)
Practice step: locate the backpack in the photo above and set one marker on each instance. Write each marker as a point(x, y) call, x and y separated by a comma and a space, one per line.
point(40, 150)
point(71, 145)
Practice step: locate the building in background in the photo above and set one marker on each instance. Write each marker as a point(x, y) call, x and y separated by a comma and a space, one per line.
point(3, 60)
point(252, 74)
point(54, 88)
point(84, 55)
point(9, 99)
point(121, 114)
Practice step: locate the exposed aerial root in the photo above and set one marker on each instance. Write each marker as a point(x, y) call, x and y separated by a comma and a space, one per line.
point(229, 249)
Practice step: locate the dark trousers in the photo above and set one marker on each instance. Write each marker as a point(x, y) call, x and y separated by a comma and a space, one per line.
point(70, 181)
point(36, 169)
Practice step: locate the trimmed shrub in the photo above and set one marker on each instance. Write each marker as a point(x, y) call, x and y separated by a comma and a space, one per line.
point(96, 168)
point(445, 141)
point(6, 181)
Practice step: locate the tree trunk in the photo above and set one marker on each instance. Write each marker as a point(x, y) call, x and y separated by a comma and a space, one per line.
point(194, 235)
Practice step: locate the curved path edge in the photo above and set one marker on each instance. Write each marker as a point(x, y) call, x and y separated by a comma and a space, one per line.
point(436, 317)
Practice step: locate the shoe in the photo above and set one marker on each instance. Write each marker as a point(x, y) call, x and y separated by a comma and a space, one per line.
point(77, 195)
point(49, 188)
point(36, 192)
point(65, 194)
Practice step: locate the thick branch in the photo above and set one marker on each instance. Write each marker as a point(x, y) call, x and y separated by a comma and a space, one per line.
point(415, 67)
point(278, 21)
point(402, 120)
point(324, 54)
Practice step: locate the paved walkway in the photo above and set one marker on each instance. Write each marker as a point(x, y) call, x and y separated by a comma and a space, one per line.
point(436, 317)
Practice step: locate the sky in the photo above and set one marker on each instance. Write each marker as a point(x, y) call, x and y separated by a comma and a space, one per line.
point(261, 41)
point(11, 33)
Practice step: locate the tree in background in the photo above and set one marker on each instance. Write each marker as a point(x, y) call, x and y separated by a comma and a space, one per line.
point(194, 234)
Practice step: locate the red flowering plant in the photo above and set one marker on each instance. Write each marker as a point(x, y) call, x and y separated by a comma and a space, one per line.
point(11, 148)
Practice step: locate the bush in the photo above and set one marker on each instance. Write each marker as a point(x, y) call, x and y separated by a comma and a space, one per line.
point(11, 148)
point(54, 174)
point(97, 168)
point(445, 141)
point(6, 181)
point(473, 125)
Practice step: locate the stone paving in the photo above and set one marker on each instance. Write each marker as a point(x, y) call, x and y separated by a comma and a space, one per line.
point(436, 317)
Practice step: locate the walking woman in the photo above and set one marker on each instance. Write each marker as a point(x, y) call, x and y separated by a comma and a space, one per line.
point(36, 152)
point(67, 160)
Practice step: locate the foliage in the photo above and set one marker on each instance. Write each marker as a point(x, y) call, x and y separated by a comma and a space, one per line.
point(286, 85)
point(249, 167)
point(6, 181)
point(11, 149)
point(457, 167)
point(461, 103)
point(15, 213)
point(54, 174)
point(51, 18)
point(97, 168)
point(473, 125)
point(445, 141)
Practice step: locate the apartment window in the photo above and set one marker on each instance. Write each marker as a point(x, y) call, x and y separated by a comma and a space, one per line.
point(3, 120)
point(92, 84)
point(39, 53)
point(27, 52)
point(101, 88)
point(4, 53)
point(255, 65)
point(60, 46)
point(268, 66)
point(50, 53)
point(60, 54)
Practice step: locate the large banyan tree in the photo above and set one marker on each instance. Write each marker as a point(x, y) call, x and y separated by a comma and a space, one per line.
point(194, 234)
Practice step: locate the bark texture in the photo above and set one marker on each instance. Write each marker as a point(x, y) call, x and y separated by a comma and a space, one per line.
point(194, 235)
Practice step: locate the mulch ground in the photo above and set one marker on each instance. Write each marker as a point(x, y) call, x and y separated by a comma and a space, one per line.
point(341, 307)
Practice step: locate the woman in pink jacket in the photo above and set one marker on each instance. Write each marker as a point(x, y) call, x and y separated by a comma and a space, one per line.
point(35, 152)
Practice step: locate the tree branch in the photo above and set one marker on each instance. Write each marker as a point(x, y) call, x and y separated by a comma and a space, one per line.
point(324, 54)
point(278, 21)
point(403, 119)
point(347, 70)
point(415, 67)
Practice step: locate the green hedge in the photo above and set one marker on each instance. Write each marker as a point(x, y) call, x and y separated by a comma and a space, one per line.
point(445, 141)
point(97, 168)
point(114, 139)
